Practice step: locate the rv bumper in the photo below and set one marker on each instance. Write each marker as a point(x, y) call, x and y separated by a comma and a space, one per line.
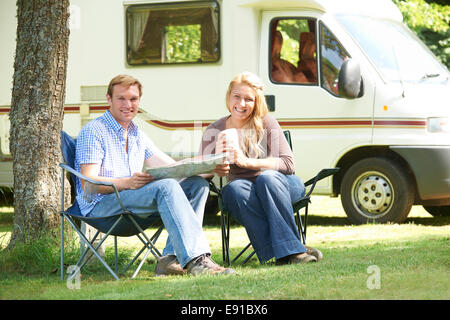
point(431, 166)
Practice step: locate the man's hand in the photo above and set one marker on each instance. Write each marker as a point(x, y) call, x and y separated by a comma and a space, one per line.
point(138, 180)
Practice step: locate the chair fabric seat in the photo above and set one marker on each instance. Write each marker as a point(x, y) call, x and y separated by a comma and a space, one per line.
point(125, 228)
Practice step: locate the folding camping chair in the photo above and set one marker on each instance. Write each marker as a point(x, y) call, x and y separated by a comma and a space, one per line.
point(297, 206)
point(123, 224)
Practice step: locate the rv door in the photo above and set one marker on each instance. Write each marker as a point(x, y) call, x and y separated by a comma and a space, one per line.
point(300, 62)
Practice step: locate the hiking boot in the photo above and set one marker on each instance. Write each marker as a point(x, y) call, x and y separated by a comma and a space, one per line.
point(301, 258)
point(314, 252)
point(205, 265)
point(167, 266)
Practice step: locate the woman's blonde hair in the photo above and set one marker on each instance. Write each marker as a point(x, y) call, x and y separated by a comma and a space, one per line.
point(252, 131)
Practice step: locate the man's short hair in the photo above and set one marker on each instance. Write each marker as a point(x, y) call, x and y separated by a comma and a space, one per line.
point(125, 80)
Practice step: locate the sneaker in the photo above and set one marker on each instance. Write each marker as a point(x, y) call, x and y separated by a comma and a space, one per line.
point(167, 266)
point(314, 252)
point(301, 258)
point(205, 265)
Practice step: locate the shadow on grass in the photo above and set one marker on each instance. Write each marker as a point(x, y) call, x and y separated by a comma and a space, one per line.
point(6, 220)
point(315, 220)
point(211, 220)
point(429, 221)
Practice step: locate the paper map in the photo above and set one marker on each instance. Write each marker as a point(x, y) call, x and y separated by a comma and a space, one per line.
point(187, 167)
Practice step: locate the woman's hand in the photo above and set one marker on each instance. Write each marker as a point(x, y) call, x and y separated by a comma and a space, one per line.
point(222, 169)
point(237, 157)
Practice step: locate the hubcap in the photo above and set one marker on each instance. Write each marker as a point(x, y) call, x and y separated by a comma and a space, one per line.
point(372, 194)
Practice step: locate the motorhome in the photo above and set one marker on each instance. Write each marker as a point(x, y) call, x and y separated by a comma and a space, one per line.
point(355, 87)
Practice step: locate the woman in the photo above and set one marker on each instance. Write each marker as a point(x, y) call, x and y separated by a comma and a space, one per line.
point(261, 182)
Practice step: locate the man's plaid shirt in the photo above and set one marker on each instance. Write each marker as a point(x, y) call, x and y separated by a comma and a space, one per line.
point(101, 141)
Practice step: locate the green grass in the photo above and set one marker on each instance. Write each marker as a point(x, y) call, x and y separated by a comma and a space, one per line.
point(413, 261)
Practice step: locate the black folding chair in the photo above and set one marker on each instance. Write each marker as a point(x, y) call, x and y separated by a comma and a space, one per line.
point(123, 224)
point(297, 206)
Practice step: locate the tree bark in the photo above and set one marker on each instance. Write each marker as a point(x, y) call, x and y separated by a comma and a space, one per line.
point(36, 114)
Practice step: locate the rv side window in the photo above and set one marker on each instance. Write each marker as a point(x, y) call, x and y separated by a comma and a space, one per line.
point(173, 33)
point(293, 51)
point(332, 55)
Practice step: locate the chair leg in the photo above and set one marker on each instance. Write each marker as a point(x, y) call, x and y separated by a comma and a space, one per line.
point(228, 238)
point(300, 227)
point(249, 257)
point(94, 250)
point(302, 224)
point(115, 255)
point(149, 244)
point(306, 224)
point(63, 173)
point(156, 254)
point(62, 247)
point(242, 252)
point(225, 237)
point(134, 259)
point(86, 250)
point(140, 264)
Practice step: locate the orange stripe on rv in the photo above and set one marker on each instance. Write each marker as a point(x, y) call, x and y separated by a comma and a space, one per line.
point(285, 123)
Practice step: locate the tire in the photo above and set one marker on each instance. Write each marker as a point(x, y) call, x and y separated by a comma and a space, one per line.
point(438, 211)
point(377, 190)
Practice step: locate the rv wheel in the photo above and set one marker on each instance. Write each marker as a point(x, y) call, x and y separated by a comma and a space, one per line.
point(376, 190)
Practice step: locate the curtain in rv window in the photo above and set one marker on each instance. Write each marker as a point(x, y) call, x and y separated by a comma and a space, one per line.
point(184, 32)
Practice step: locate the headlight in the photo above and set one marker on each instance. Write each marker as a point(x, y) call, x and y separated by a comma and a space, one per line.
point(438, 124)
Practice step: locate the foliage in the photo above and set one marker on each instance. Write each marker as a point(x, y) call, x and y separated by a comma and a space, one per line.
point(290, 30)
point(183, 43)
point(431, 22)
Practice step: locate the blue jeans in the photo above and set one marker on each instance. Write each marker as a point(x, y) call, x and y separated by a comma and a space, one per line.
point(180, 205)
point(264, 208)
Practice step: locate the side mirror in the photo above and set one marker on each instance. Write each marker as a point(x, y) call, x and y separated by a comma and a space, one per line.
point(350, 82)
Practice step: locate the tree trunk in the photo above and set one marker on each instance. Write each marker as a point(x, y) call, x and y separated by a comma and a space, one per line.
point(36, 115)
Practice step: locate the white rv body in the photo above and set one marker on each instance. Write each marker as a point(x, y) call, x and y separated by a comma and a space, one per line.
point(396, 118)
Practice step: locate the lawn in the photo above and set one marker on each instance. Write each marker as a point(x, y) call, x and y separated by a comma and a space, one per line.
point(392, 261)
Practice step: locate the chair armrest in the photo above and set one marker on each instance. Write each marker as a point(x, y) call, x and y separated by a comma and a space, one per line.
point(95, 182)
point(321, 175)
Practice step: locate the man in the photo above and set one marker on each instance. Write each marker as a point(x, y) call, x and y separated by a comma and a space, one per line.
point(112, 148)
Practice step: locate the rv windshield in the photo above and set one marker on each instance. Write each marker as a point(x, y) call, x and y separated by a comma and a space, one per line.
point(396, 52)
